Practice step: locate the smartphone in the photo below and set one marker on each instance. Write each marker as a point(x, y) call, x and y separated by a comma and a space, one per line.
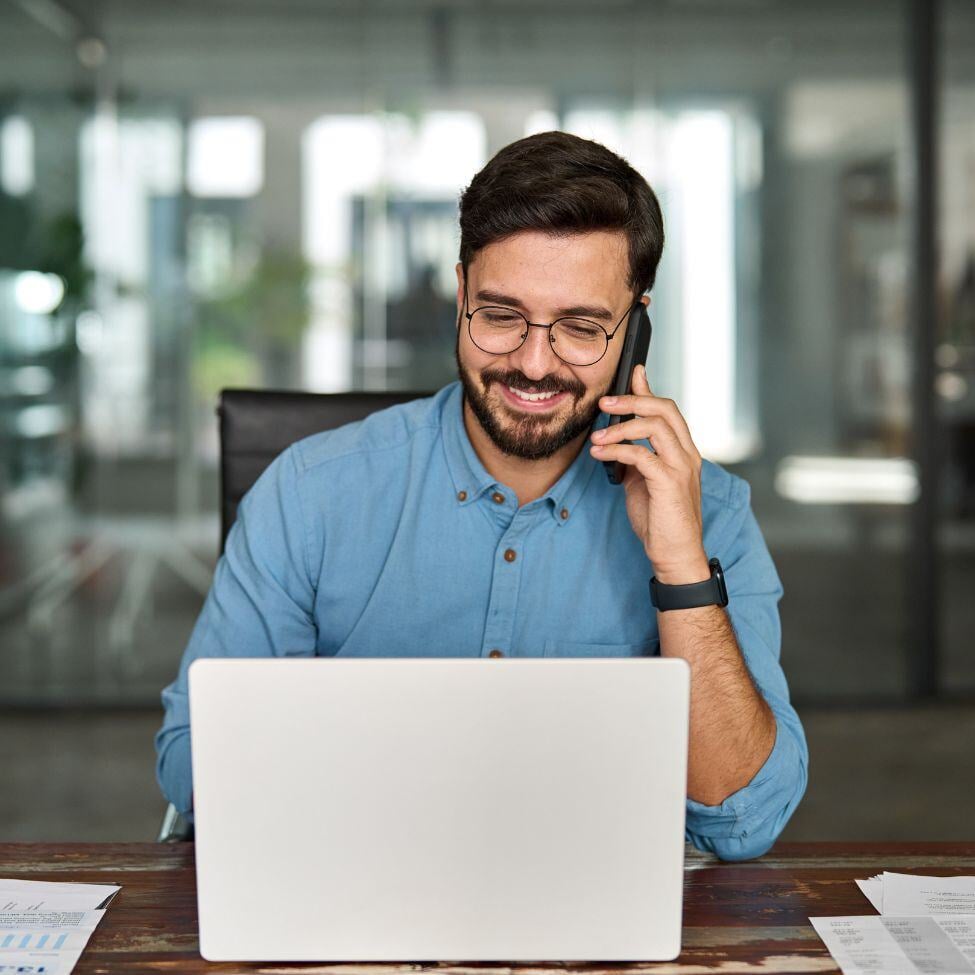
point(636, 346)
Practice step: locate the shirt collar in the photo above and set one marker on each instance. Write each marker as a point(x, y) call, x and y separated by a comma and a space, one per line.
point(470, 478)
point(472, 481)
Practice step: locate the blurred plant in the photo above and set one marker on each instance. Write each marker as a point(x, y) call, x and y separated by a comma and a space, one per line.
point(61, 252)
point(271, 302)
point(55, 246)
point(17, 220)
point(247, 330)
point(217, 365)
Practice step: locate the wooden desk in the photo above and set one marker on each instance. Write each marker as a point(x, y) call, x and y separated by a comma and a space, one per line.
point(738, 918)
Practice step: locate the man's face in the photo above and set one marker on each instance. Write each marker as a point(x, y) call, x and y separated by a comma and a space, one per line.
point(545, 278)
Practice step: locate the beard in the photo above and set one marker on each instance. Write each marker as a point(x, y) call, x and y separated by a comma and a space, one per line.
point(528, 436)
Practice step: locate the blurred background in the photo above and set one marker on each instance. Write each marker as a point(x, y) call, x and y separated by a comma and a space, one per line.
point(247, 193)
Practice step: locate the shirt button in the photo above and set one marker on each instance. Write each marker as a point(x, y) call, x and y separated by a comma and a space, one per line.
point(496, 653)
point(564, 513)
point(461, 495)
point(510, 555)
point(497, 497)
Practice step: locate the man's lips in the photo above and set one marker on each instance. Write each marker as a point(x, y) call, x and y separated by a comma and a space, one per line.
point(538, 406)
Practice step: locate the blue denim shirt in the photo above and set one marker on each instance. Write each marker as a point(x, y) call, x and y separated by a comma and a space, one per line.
point(388, 538)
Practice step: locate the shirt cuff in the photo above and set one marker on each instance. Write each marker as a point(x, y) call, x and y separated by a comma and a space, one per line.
point(750, 820)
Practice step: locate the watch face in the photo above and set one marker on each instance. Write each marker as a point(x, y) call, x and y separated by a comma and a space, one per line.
point(717, 573)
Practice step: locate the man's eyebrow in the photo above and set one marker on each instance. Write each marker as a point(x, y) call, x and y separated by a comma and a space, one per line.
point(575, 311)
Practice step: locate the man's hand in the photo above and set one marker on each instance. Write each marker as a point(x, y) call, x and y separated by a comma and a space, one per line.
point(663, 488)
point(733, 729)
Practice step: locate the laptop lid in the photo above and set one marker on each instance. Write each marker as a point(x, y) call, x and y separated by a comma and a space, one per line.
point(401, 809)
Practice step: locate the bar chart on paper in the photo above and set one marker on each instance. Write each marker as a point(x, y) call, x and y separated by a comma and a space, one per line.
point(45, 925)
point(35, 941)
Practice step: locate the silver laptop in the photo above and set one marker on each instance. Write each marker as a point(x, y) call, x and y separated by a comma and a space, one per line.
point(435, 809)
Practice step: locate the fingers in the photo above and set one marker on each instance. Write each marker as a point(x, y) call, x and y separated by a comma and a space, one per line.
point(643, 460)
point(640, 383)
point(656, 429)
point(642, 403)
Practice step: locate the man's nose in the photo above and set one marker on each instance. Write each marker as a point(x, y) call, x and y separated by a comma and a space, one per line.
point(536, 357)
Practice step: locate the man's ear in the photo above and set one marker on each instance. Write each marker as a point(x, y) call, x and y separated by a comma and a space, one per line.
point(646, 300)
point(460, 288)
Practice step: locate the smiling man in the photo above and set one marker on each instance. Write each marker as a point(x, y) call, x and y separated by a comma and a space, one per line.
point(480, 522)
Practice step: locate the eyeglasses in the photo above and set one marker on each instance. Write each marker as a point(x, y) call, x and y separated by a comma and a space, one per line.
point(499, 331)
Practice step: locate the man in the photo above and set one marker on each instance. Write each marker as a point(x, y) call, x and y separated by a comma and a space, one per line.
point(480, 522)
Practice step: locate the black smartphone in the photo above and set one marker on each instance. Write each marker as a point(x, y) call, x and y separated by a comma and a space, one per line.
point(636, 346)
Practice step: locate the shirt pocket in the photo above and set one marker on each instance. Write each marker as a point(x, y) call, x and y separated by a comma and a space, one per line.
point(568, 648)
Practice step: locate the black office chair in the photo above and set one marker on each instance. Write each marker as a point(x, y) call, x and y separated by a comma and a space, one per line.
point(255, 426)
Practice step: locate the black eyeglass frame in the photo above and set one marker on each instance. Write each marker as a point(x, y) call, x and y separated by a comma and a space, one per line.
point(469, 315)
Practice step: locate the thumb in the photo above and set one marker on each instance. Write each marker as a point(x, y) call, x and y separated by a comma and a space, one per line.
point(640, 383)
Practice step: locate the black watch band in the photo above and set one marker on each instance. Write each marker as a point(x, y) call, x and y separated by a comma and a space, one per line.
point(711, 592)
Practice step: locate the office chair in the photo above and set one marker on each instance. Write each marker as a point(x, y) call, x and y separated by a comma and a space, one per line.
point(255, 426)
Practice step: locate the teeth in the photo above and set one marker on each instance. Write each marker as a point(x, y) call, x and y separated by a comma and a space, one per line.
point(531, 397)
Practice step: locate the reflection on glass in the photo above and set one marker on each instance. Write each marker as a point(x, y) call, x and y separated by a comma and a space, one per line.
point(380, 230)
point(226, 157)
point(695, 159)
point(847, 480)
point(218, 229)
point(16, 156)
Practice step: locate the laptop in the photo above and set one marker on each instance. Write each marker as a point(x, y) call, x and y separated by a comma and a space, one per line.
point(439, 809)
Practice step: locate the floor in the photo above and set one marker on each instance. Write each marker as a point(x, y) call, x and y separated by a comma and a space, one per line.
point(878, 774)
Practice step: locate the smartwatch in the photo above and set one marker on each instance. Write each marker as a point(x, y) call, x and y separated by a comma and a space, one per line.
point(711, 592)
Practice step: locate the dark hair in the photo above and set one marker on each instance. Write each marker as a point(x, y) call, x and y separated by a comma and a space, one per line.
point(561, 184)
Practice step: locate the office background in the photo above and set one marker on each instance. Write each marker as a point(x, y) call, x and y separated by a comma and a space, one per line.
point(200, 195)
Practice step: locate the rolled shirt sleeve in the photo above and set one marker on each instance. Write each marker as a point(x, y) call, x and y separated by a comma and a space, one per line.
point(260, 605)
point(749, 821)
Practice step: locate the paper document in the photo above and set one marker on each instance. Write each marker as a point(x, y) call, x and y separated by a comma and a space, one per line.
point(45, 921)
point(28, 963)
point(873, 890)
point(89, 896)
point(910, 895)
point(11, 903)
point(907, 894)
point(927, 925)
point(942, 945)
point(44, 927)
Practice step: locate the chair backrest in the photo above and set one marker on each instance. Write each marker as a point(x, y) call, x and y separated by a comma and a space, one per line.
point(256, 425)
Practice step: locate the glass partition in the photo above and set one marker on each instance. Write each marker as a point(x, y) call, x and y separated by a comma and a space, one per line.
point(172, 223)
point(955, 350)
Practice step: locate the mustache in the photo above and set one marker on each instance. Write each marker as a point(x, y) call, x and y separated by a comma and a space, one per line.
point(517, 379)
